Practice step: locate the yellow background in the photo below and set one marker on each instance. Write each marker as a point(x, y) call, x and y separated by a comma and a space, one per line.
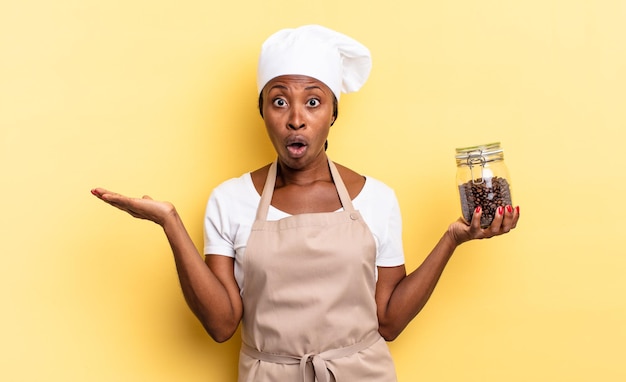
point(159, 97)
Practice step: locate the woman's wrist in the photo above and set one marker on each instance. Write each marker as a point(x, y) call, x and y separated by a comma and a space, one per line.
point(170, 219)
point(452, 237)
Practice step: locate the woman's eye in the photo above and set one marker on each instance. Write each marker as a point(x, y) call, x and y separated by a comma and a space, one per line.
point(279, 102)
point(313, 102)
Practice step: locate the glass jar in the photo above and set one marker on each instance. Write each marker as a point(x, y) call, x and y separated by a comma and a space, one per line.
point(483, 180)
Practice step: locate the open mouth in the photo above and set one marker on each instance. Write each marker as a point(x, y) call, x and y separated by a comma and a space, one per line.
point(296, 149)
point(296, 146)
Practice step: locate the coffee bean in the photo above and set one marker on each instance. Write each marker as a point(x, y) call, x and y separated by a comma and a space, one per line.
point(488, 194)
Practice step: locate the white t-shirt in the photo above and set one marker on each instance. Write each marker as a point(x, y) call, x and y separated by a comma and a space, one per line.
point(232, 208)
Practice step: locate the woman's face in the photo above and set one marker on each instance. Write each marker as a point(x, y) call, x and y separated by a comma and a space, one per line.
point(298, 112)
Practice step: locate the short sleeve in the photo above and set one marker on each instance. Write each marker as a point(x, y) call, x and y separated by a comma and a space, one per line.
point(218, 239)
point(379, 206)
point(390, 249)
point(229, 215)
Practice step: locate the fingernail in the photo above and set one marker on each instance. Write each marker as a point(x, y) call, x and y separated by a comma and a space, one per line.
point(477, 209)
point(509, 208)
point(94, 192)
point(500, 210)
point(517, 209)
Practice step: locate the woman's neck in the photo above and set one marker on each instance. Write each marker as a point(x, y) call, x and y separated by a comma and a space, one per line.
point(315, 172)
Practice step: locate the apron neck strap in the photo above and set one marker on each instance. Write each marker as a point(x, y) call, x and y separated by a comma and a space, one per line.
point(342, 191)
point(268, 191)
point(270, 182)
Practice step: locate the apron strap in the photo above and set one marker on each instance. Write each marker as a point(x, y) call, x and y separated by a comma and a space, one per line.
point(270, 182)
point(344, 196)
point(268, 191)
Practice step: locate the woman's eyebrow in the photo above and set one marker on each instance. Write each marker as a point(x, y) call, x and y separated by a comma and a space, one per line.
point(278, 86)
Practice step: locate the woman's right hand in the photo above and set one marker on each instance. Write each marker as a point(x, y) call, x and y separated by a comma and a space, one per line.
point(141, 208)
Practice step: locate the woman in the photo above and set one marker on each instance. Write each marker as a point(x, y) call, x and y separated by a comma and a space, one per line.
point(304, 252)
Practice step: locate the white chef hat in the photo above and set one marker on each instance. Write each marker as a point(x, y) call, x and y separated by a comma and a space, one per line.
point(340, 62)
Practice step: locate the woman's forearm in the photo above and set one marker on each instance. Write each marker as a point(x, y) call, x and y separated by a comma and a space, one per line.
point(413, 291)
point(404, 296)
point(218, 311)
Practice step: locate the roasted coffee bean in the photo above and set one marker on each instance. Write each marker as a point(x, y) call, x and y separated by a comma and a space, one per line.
point(489, 194)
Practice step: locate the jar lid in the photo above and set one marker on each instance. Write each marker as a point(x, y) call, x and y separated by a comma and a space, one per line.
point(488, 149)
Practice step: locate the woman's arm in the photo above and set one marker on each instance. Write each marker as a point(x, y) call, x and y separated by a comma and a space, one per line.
point(400, 297)
point(209, 287)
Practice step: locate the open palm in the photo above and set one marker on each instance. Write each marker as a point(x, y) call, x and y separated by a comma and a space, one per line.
point(141, 208)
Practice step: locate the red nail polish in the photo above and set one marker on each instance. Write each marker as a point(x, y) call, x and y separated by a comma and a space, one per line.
point(509, 209)
point(517, 209)
point(500, 210)
point(477, 209)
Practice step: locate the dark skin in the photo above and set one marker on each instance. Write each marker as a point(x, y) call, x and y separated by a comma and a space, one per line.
point(298, 114)
point(319, 196)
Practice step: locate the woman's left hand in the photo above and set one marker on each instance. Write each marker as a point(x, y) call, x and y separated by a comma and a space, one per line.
point(506, 219)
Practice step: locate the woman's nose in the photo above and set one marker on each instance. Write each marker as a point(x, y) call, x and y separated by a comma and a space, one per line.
point(296, 121)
